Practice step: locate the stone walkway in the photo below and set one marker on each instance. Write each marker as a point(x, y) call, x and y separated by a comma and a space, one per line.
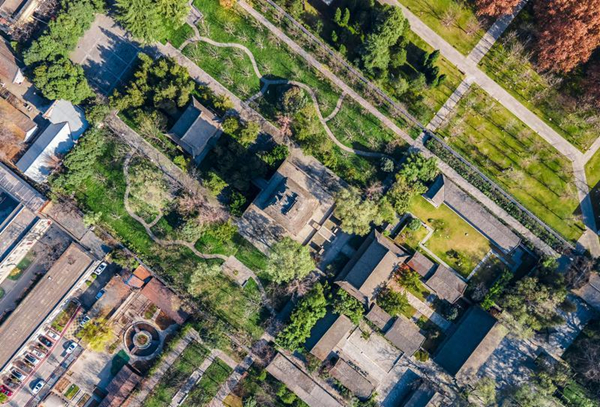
point(232, 381)
point(422, 308)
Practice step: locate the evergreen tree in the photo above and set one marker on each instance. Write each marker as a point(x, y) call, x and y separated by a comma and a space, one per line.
point(140, 17)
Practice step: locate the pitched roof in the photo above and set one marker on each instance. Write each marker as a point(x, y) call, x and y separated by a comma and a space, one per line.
point(335, 334)
point(405, 335)
point(16, 118)
point(372, 264)
point(446, 284)
point(378, 316)
point(9, 68)
point(300, 383)
point(435, 193)
point(590, 292)
point(470, 345)
point(361, 386)
point(120, 387)
point(474, 214)
point(165, 299)
point(421, 264)
point(195, 128)
point(63, 111)
point(20, 189)
point(421, 397)
point(37, 161)
point(139, 277)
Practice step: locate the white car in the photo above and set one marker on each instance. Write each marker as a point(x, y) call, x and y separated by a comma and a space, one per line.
point(31, 359)
point(52, 335)
point(101, 267)
point(38, 386)
point(71, 348)
point(38, 353)
point(84, 320)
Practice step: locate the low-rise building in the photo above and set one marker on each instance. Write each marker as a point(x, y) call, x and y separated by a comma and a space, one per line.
point(10, 72)
point(405, 335)
point(446, 284)
point(121, 388)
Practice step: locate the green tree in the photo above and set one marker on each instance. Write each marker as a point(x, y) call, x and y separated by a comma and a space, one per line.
point(390, 24)
point(62, 79)
point(392, 302)
point(248, 133)
point(309, 310)
point(484, 392)
point(355, 212)
point(409, 279)
point(402, 191)
point(96, 112)
point(275, 156)
point(230, 125)
point(96, 334)
point(173, 10)
point(337, 16)
point(203, 270)
point(142, 18)
point(345, 18)
point(419, 168)
point(289, 260)
point(3, 398)
point(214, 183)
point(292, 100)
point(345, 304)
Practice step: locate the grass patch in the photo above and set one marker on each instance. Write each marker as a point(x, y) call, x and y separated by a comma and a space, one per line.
point(191, 358)
point(592, 170)
point(208, 386)
point(455, 21)
point(239, 247)
point(555, 100)
point(177, 35)
point(411, 238)
point(63, 317)
point(453, 240)
point(71, 391)
point(520, 161)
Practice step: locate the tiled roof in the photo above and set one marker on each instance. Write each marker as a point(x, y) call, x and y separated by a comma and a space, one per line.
point(421, 264)
point(405, 335)
point(446, 284)
point(165, 299)
point(336, 333)
point(361, 386)
point(120, 387)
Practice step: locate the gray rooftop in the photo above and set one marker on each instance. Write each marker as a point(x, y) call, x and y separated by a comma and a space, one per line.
point(421, 264)
point(405, 335)
point(20, 189)
point(336, 333)
point(9, 68)
point(421, 397)
point(62, 111)
point(470, 345)
point(474, 213)
point(590, 292)
point(446, 284)
point(361, 386)
point(378, 316)
point(195, 128)
point(372, 265)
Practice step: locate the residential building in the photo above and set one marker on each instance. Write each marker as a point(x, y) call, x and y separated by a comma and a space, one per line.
point(338, 329)
point(197, 130)
point(15, 12)
point(22, 126)
point(10, 72)
point(62, 111)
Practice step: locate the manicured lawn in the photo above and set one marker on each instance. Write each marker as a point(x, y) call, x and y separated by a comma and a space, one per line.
point(508, 63)
point(208, 386)
point(510, 153)
point(71, 391)
point(191, 358)
point(453, 240)
point(411, 238)
point(451, 19)
point(239, 247)
point(104, 192)
point(177, 35)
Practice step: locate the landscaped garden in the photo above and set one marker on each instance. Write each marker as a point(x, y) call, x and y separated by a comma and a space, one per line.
point(64, 316)
point(179, 372)
point(208, 386)
point(259, 386)
point(454, 241)
point(520, 161)
point(94, 176)
point(558, 100)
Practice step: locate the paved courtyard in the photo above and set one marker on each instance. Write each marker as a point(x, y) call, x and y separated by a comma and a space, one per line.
point(107, 54)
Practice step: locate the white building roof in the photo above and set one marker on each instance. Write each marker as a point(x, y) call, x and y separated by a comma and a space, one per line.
point(37, 162)
point(63, 111)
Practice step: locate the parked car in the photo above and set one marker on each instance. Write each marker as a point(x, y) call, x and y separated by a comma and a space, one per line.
point(38, 386)
point(84, 320)
point(52, 335)
point(71, 348)
point(38, 353)
point(100, 294)
point(45, 341)
point(17, 375)
point(31, 359)
point(101, 267)
point(6, 390)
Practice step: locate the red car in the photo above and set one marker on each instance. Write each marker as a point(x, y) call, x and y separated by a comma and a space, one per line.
point(6, 390)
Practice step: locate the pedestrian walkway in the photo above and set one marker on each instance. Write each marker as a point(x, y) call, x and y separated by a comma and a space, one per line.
point(423, 308)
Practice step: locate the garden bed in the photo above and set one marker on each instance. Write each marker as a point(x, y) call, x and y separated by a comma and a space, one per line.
point(208, 386)
point(65, 315)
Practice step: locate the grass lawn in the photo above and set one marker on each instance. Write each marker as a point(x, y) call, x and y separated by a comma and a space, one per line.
point(592, 171)
point(104, 192)
point(508, 63)
point(204, 391)
point(191, 358)
point(420, 291)
point(453, 20)
point(510, 153)
point(71, 391)
point(411, 238)
point(239, 247)
point(453, 240)
point(260, 385)
point(177, 35)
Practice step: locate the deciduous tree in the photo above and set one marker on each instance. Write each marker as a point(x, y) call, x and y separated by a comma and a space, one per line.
point(496, 8)
point(289, 260)
point(569, 31)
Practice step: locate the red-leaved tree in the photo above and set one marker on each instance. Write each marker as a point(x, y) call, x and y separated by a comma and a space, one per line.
point(568, 33)
point(495, 8)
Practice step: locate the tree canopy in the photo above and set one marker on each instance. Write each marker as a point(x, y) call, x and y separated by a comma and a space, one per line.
point(495, 8)
point(345, 304)
point(96, 334)
point(62, 79)
point(393, 302)
point(147, 19)
point(289, 260)
point(356, 212)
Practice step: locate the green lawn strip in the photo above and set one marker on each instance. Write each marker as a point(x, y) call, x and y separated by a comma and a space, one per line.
point(420, 291)
point(411, 238)
point(71, 391)
point(437, 15)
point(239, 247)
point(514, 72)
point(516, 158)
point(453, 240)
point(592, 170)
point(177, 35)
point(230, 66)
point(223, 25)
point(104, 194)
point(208, 386)
point(189, 360)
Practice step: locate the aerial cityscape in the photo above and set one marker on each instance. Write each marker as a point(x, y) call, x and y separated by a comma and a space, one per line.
point(306, 203)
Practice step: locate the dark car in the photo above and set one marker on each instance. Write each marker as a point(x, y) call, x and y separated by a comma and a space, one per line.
point(6, 390)
point(45, 341)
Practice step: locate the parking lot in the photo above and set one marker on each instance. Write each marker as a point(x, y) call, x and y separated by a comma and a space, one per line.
point(106, 53)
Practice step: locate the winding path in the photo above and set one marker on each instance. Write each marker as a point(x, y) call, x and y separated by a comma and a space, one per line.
point(267, 82)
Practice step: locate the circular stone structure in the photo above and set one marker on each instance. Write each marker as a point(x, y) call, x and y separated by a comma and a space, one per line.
point(141, 339)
